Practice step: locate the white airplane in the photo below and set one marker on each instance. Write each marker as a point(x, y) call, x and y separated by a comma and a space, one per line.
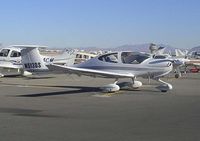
point(187, 59)
point(123, 65)
point(10, 62)
point(33, 61)
point(11, 59)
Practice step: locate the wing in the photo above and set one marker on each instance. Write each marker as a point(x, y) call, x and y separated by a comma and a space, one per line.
point(89, 72)
point(9, 65)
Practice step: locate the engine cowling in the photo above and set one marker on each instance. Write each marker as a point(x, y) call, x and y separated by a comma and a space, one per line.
point(110, 88)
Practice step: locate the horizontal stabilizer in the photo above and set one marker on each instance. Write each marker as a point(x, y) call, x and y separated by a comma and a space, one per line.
point(29, 46)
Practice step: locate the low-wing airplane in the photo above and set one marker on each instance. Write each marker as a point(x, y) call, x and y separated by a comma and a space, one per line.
point(123, 65)
point(10, 62)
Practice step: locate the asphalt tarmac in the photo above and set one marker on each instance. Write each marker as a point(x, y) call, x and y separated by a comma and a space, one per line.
point(71, 108)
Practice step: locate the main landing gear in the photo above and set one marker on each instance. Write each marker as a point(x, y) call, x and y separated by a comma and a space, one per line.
point(111, 87)
point(116, 87)
point(134, 85)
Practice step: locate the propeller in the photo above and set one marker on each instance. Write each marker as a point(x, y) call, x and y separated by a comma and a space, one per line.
point(177, 64)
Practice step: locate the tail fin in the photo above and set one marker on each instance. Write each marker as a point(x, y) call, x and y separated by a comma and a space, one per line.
point(180, 53)
point(66, 58)
point(32, 60)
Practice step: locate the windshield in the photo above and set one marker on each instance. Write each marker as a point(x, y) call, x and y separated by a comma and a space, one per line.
point(159, 57)
point(133, 57)
point(112, 58)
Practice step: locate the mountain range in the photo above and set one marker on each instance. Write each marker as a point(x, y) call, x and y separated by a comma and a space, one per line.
point(135, 47)
point(195, 49)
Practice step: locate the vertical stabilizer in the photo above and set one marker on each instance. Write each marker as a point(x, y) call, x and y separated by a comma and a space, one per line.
point(32, 60)
point(66, 58)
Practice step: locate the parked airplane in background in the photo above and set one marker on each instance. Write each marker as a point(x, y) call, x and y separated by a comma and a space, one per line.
point(11, 59)
point(34, 62)
point(123, 65)
point(83, 56)
point(190, 61)
point(10, 62)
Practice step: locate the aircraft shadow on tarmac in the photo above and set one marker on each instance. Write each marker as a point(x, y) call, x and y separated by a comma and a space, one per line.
point(26, 112)
point(79, 90)
point(39, 77)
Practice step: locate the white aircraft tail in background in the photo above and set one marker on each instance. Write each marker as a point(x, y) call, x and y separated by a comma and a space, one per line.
point(33, 61)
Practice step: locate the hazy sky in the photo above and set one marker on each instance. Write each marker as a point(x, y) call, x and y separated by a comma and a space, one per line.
point(100, 23)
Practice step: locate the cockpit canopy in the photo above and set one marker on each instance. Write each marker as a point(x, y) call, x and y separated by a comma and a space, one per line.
point(112, 58)
point(133, 57)
point(126, 57)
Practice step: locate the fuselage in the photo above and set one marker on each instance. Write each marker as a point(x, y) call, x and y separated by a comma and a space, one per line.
point(10, 61)
point(139, 64)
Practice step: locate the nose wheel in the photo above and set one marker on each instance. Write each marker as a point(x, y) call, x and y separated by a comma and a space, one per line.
point(165, 86)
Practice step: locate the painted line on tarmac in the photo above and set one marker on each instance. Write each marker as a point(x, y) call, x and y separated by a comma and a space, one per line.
point(101, 95)
point(106, 95)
